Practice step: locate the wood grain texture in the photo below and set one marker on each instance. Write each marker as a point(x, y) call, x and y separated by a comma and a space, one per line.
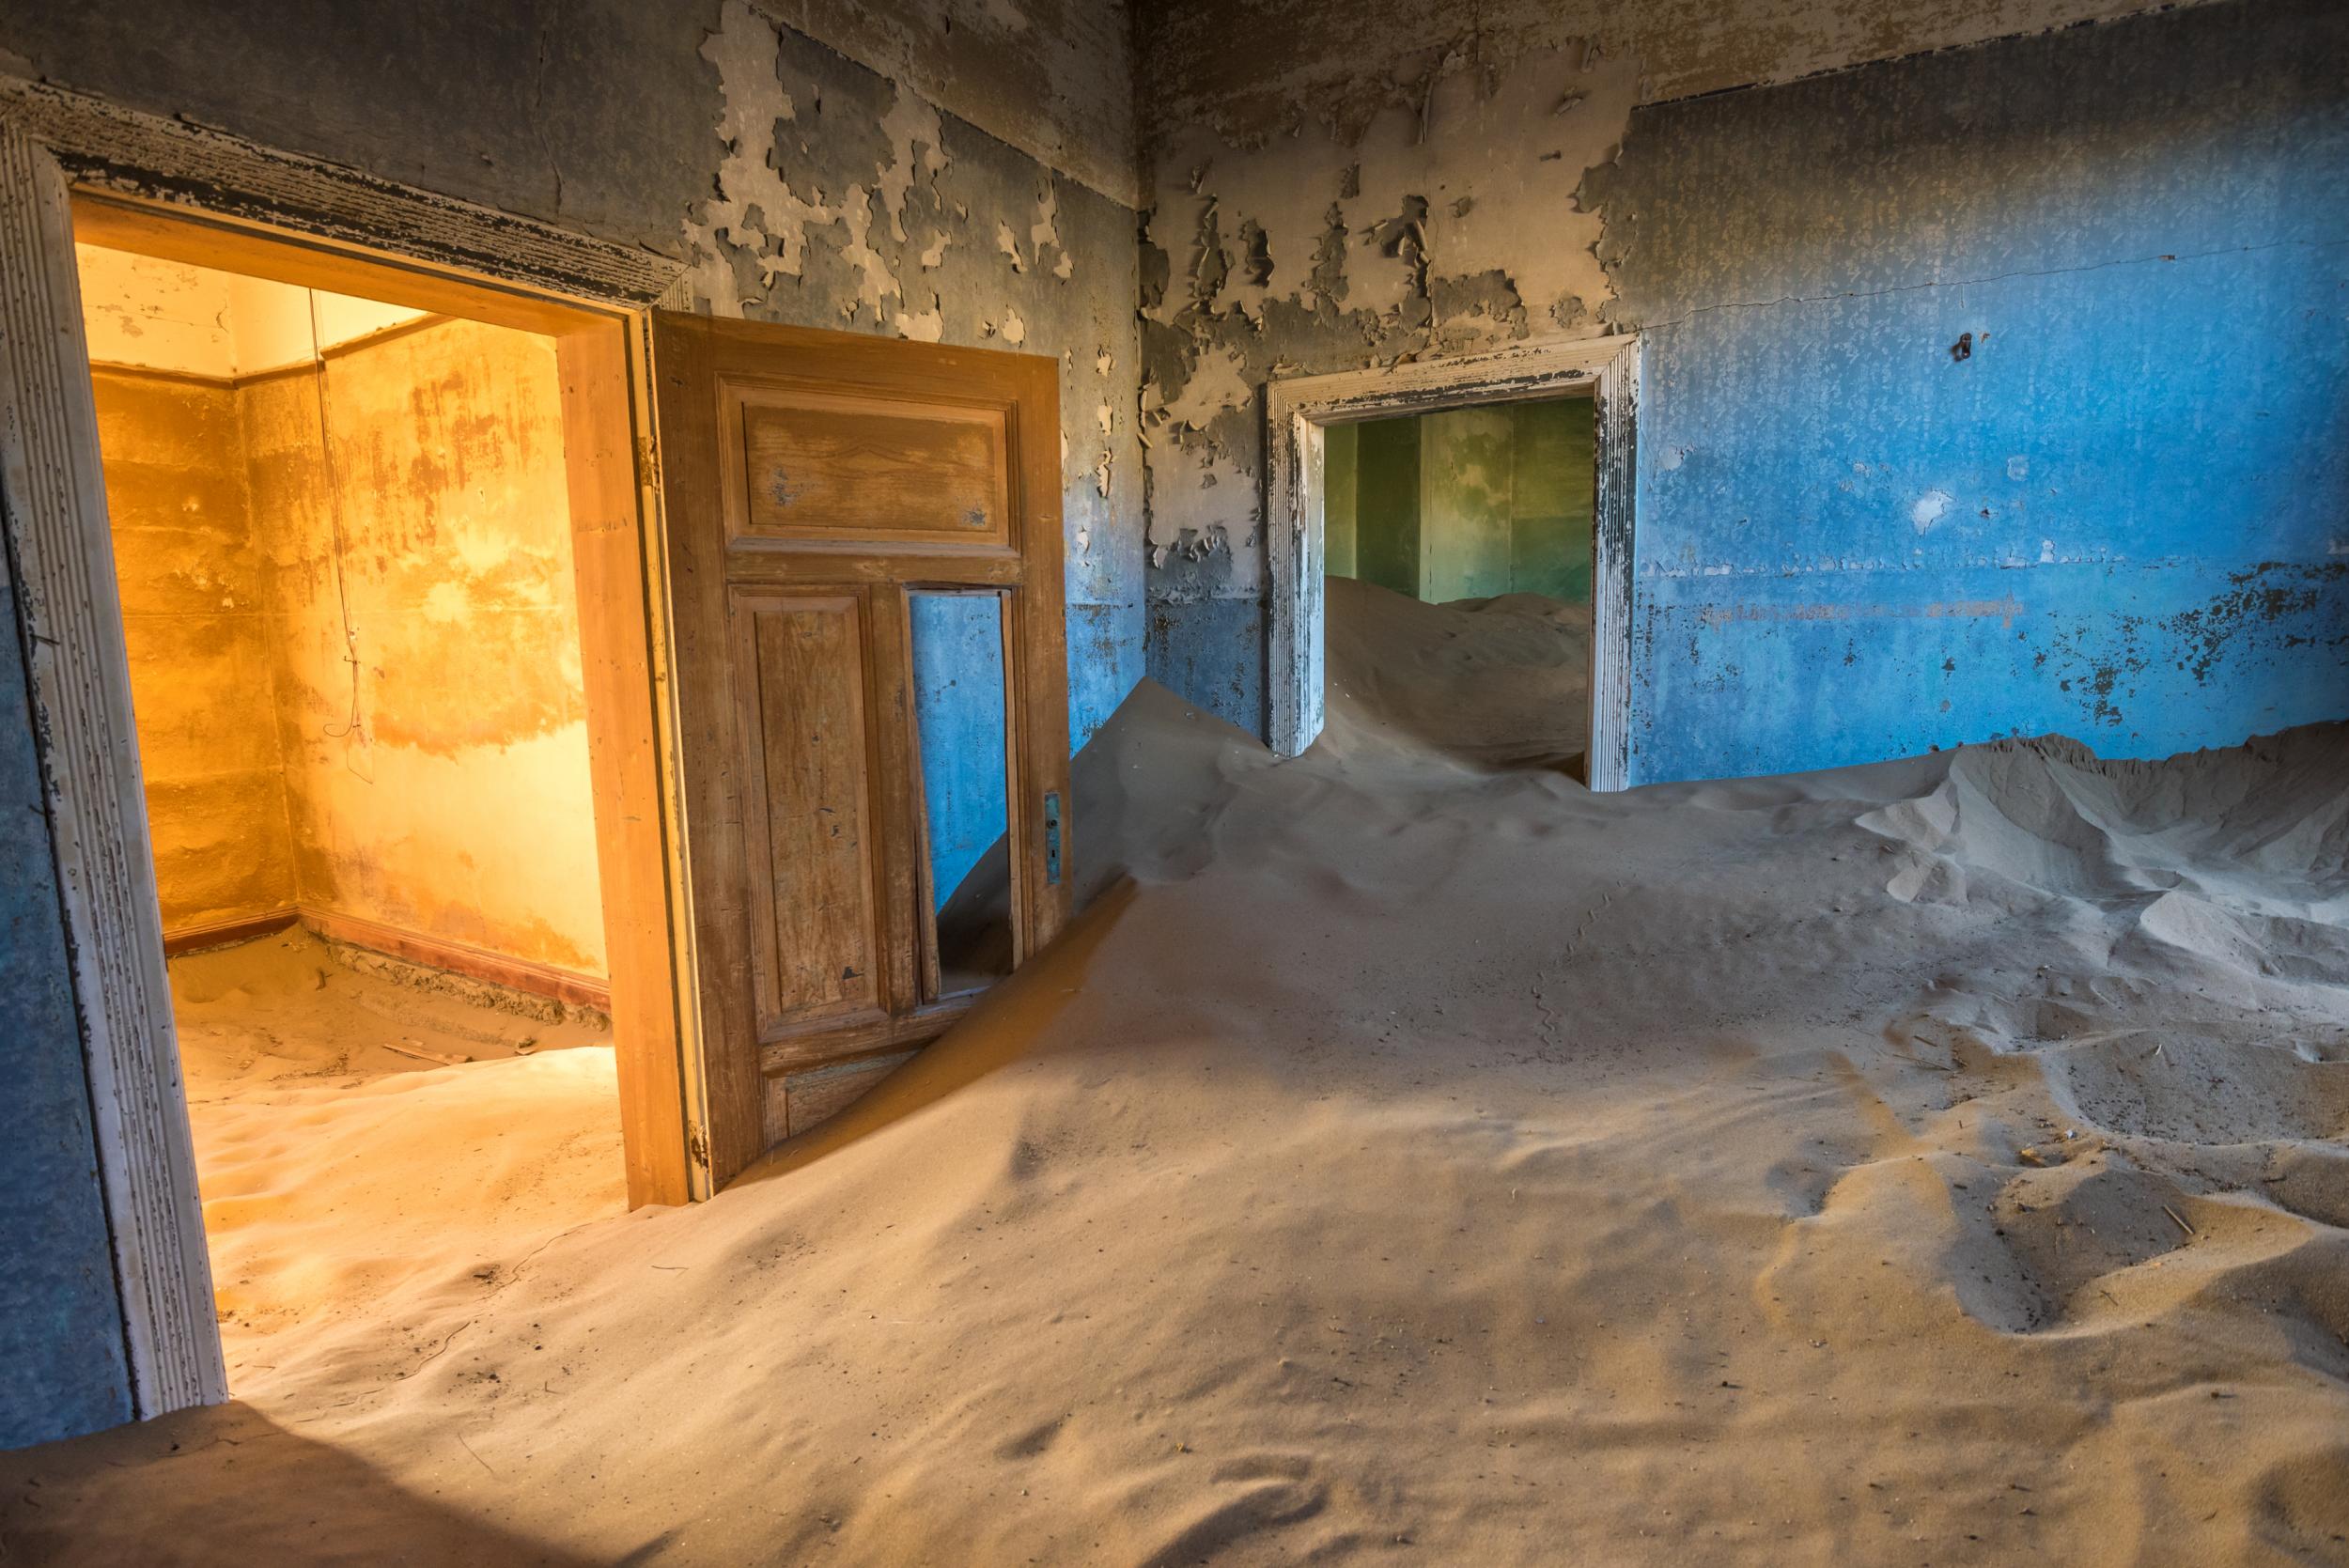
point(874, 470)
point(227, 933)
point(615, 564)
point(810, 831)
point(793, 975)
point(1609, 764)
point(80, 691)
point(811, 1096)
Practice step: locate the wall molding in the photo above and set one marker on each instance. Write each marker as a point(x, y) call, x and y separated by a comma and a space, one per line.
point(227, 933)
point(526, 976)
point(1297, 412)
point(214, 176)
point(61, 548)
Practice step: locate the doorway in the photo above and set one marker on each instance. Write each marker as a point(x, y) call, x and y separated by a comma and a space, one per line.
point(688, 688)
point(341, 537)
point(1457, 611)
point(1465, 417)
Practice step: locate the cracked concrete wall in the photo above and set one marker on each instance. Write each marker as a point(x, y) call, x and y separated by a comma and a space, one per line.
point(1434, 187)
point(814, 162)
point(2032, 418)
point(893, 182)
point(1050, 77)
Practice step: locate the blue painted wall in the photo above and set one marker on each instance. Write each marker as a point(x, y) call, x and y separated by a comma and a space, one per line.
point(958, 708)
point(61, 1326)
point(1997, 391)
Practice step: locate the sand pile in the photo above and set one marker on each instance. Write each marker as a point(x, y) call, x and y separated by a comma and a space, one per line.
point(1935, 1162)
point(1493, 682)
point(340, 1167)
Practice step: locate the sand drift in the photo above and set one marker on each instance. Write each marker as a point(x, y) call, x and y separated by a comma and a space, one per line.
point(1411, 1161)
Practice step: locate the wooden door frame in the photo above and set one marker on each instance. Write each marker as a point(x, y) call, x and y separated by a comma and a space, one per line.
point(1299, 409)
point(148, 183)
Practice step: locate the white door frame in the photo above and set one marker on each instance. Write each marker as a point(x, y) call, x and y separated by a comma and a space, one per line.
point(1299, 409)
point(51, 143)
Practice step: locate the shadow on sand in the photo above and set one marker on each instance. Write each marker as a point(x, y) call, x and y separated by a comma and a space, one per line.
point(229, 1485)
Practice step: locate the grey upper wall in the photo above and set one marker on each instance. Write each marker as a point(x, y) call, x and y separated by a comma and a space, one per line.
point(1052, 78)
point(949, 170)
point(1255, 69)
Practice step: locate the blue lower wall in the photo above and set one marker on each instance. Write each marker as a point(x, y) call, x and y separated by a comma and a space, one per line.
point(61, 1326)
point(1995, 392)
point(958, 709)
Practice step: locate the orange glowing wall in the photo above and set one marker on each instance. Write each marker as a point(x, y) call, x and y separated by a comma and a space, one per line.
point(457, 808)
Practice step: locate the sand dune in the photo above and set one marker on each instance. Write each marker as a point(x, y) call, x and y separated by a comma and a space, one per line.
point(1494, 682)
point(1935, 1162)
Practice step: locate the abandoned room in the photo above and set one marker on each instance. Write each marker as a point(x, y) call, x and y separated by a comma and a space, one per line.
point(1174, 782)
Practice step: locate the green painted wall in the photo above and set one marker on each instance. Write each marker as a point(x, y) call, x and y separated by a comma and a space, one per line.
point(1386, 549)
point(1465, 522)
point(1341, 473)
point(1555, 484)
point(1465, 503)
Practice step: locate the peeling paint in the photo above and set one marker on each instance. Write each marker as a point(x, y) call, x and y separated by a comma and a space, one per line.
point(1808, 413)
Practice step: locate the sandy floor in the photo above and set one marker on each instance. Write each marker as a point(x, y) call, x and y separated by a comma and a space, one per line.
point(341, 1166)
point(1937, 1162)
point(1494, 681)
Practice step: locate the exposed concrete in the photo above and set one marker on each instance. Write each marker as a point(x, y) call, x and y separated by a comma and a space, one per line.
point(203, 643)
point(1296, 64)
point(1048, 77)
point(802, 183)
point(1418, 183)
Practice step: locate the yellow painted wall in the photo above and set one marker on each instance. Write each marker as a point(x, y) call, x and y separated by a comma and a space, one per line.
point(457, 806)
point(196, 620)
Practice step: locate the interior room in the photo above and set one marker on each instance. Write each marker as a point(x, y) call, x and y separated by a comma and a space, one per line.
point(1174, 782)
point(1458, 546)
point(341, 538)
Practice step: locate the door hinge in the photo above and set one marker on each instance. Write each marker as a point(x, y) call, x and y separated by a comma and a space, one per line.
point(1051, 839)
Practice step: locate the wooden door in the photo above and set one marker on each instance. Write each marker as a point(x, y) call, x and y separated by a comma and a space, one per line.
point(819, 488)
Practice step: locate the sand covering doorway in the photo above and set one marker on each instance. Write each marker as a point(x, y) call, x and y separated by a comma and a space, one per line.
point(1459, 559)
point(1300, 412)
point(341, 539)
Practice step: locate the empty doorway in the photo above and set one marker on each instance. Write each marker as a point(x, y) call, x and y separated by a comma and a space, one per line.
point(1458, 549)
point(341, 538)
point(1394, 495)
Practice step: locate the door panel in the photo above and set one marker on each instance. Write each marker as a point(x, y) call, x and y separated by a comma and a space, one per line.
point(815, 947)
point(868, 472)
point(864, 543)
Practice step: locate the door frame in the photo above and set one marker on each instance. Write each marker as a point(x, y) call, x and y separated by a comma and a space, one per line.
point(1298, 409)
point(72, 162)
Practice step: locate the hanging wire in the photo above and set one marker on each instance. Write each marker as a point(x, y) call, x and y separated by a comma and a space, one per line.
point(353, 725)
